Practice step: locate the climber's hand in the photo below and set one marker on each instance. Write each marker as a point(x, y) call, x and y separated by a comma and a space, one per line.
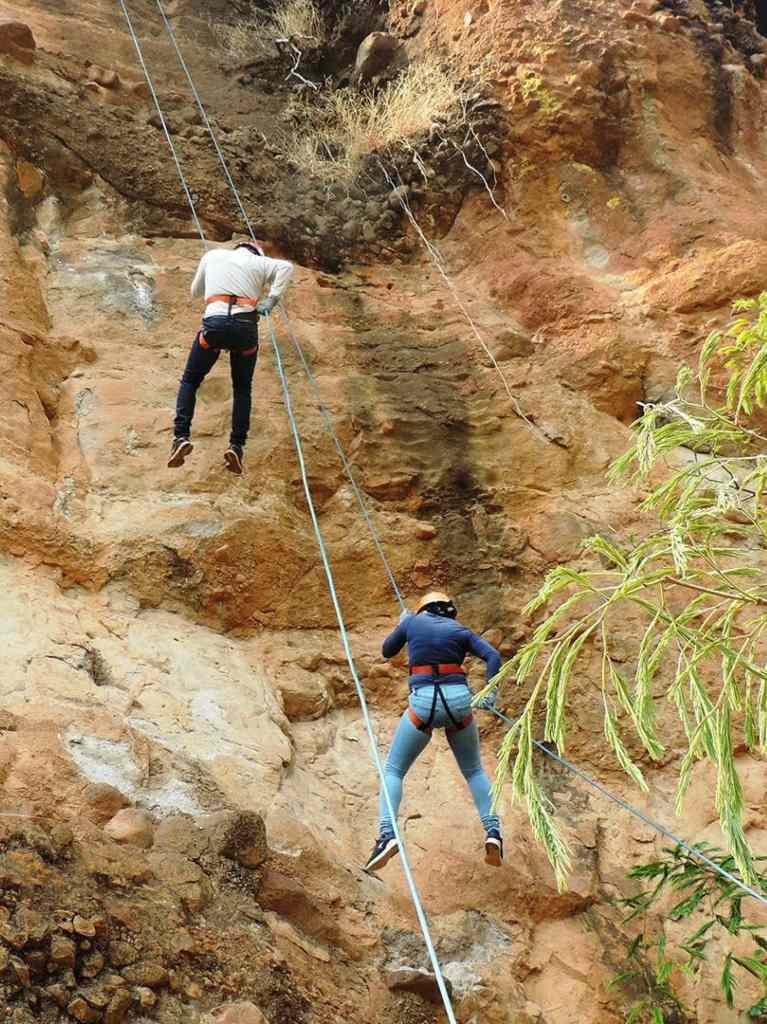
point(488, 703)
point(404, 614)
point(265, 306)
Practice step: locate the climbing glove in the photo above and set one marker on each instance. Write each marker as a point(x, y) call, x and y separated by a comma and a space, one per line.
point(488, 703)
point(265, 306)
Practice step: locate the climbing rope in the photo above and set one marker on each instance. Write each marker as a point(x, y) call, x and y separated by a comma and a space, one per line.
point(597, 786)
point(345, 463)
point(376, 757)
point(694, 851)
point(206, 121)
point(436, 257)
point(357, 684)
point(160, 114)
point(283, 310)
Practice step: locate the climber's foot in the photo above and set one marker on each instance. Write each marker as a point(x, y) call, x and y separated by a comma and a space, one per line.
point(493, 848)
point(233, 458)
point(179, 450)
point(385, 848)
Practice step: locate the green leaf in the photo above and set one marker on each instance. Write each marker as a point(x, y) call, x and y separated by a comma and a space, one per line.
point(689, 905)
point(727, 981)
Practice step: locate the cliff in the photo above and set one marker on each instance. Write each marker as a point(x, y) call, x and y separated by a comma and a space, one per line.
point(169, 644)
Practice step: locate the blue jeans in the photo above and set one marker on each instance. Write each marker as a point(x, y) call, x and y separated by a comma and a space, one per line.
point(409, 742)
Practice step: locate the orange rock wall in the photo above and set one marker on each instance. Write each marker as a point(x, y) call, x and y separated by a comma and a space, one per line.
point(169, 635)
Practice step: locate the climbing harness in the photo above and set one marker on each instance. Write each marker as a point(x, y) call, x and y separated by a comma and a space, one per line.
point(569, 766)
point(376, 757)
point(435, 671)
point(234, 333)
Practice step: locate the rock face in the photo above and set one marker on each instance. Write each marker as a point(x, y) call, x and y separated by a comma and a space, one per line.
point(168, 641)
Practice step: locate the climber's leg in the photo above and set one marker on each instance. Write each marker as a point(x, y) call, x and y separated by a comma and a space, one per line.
point(242, 365)
point(466, 749)
point(198, 365)
point(408, 743)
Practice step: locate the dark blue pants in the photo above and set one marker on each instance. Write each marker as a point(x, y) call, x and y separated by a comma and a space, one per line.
point(198, 365)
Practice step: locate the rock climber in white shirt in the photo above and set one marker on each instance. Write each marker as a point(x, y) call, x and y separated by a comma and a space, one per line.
point(239, 285)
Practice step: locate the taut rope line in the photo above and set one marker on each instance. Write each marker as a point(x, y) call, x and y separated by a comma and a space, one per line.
point(376, 757)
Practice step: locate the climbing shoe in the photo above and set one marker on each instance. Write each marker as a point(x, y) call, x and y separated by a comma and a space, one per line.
point(233, 458)
point(385, 848)
point(179, 450)
point(493, 848)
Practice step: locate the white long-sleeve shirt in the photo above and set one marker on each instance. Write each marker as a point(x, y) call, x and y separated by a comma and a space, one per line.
point(239, 272)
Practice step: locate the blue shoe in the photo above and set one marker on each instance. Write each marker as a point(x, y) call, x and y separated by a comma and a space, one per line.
point(385, 848)
point(493, 848)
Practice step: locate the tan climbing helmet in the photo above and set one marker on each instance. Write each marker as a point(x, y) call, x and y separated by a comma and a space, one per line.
point(436, 601)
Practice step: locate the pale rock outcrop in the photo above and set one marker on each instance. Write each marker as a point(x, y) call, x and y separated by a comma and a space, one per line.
point(131, 826)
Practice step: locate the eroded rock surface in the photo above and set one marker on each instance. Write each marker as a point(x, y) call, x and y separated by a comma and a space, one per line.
point(170, 657)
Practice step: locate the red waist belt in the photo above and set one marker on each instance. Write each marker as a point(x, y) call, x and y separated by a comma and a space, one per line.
point(233, 300)
point(441, 670)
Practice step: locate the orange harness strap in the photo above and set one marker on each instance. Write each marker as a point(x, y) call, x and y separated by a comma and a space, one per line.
point(247, 352)
point(423, 727)
point(233, 300)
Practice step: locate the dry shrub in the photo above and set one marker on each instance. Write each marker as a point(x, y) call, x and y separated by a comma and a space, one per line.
point(250, 38)
point(242, 39)
point(299, 20)
point(351, 125)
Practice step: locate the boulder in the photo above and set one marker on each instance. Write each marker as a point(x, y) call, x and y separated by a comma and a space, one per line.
point(102, 802)
point(118, 1007)
point(376, 54)
point(131, 827)
point(413, 979)
point(17, 41)
point(238, 1013)
point(241, 836)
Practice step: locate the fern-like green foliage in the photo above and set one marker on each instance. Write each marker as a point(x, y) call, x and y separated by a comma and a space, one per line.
point(693, 584)
point(713, 909)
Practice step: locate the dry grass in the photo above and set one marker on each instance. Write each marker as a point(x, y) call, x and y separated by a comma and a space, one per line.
point(298, 20)
point(354, 125)
point(243, 40)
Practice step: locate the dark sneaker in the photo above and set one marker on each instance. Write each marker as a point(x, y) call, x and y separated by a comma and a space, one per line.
point(493, 848)
point(385, 848)
point(233, 458)
point(179, 450)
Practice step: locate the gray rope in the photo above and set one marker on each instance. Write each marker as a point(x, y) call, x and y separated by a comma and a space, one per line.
point(288, 323)
point(661, 829)
point(422, 920)
point(204, 115)
point(420, 913)
point(149, 82)
point(620, 802)
point(345, 462)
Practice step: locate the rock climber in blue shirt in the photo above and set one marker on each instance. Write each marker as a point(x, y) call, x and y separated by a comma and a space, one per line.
point(439, 698)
